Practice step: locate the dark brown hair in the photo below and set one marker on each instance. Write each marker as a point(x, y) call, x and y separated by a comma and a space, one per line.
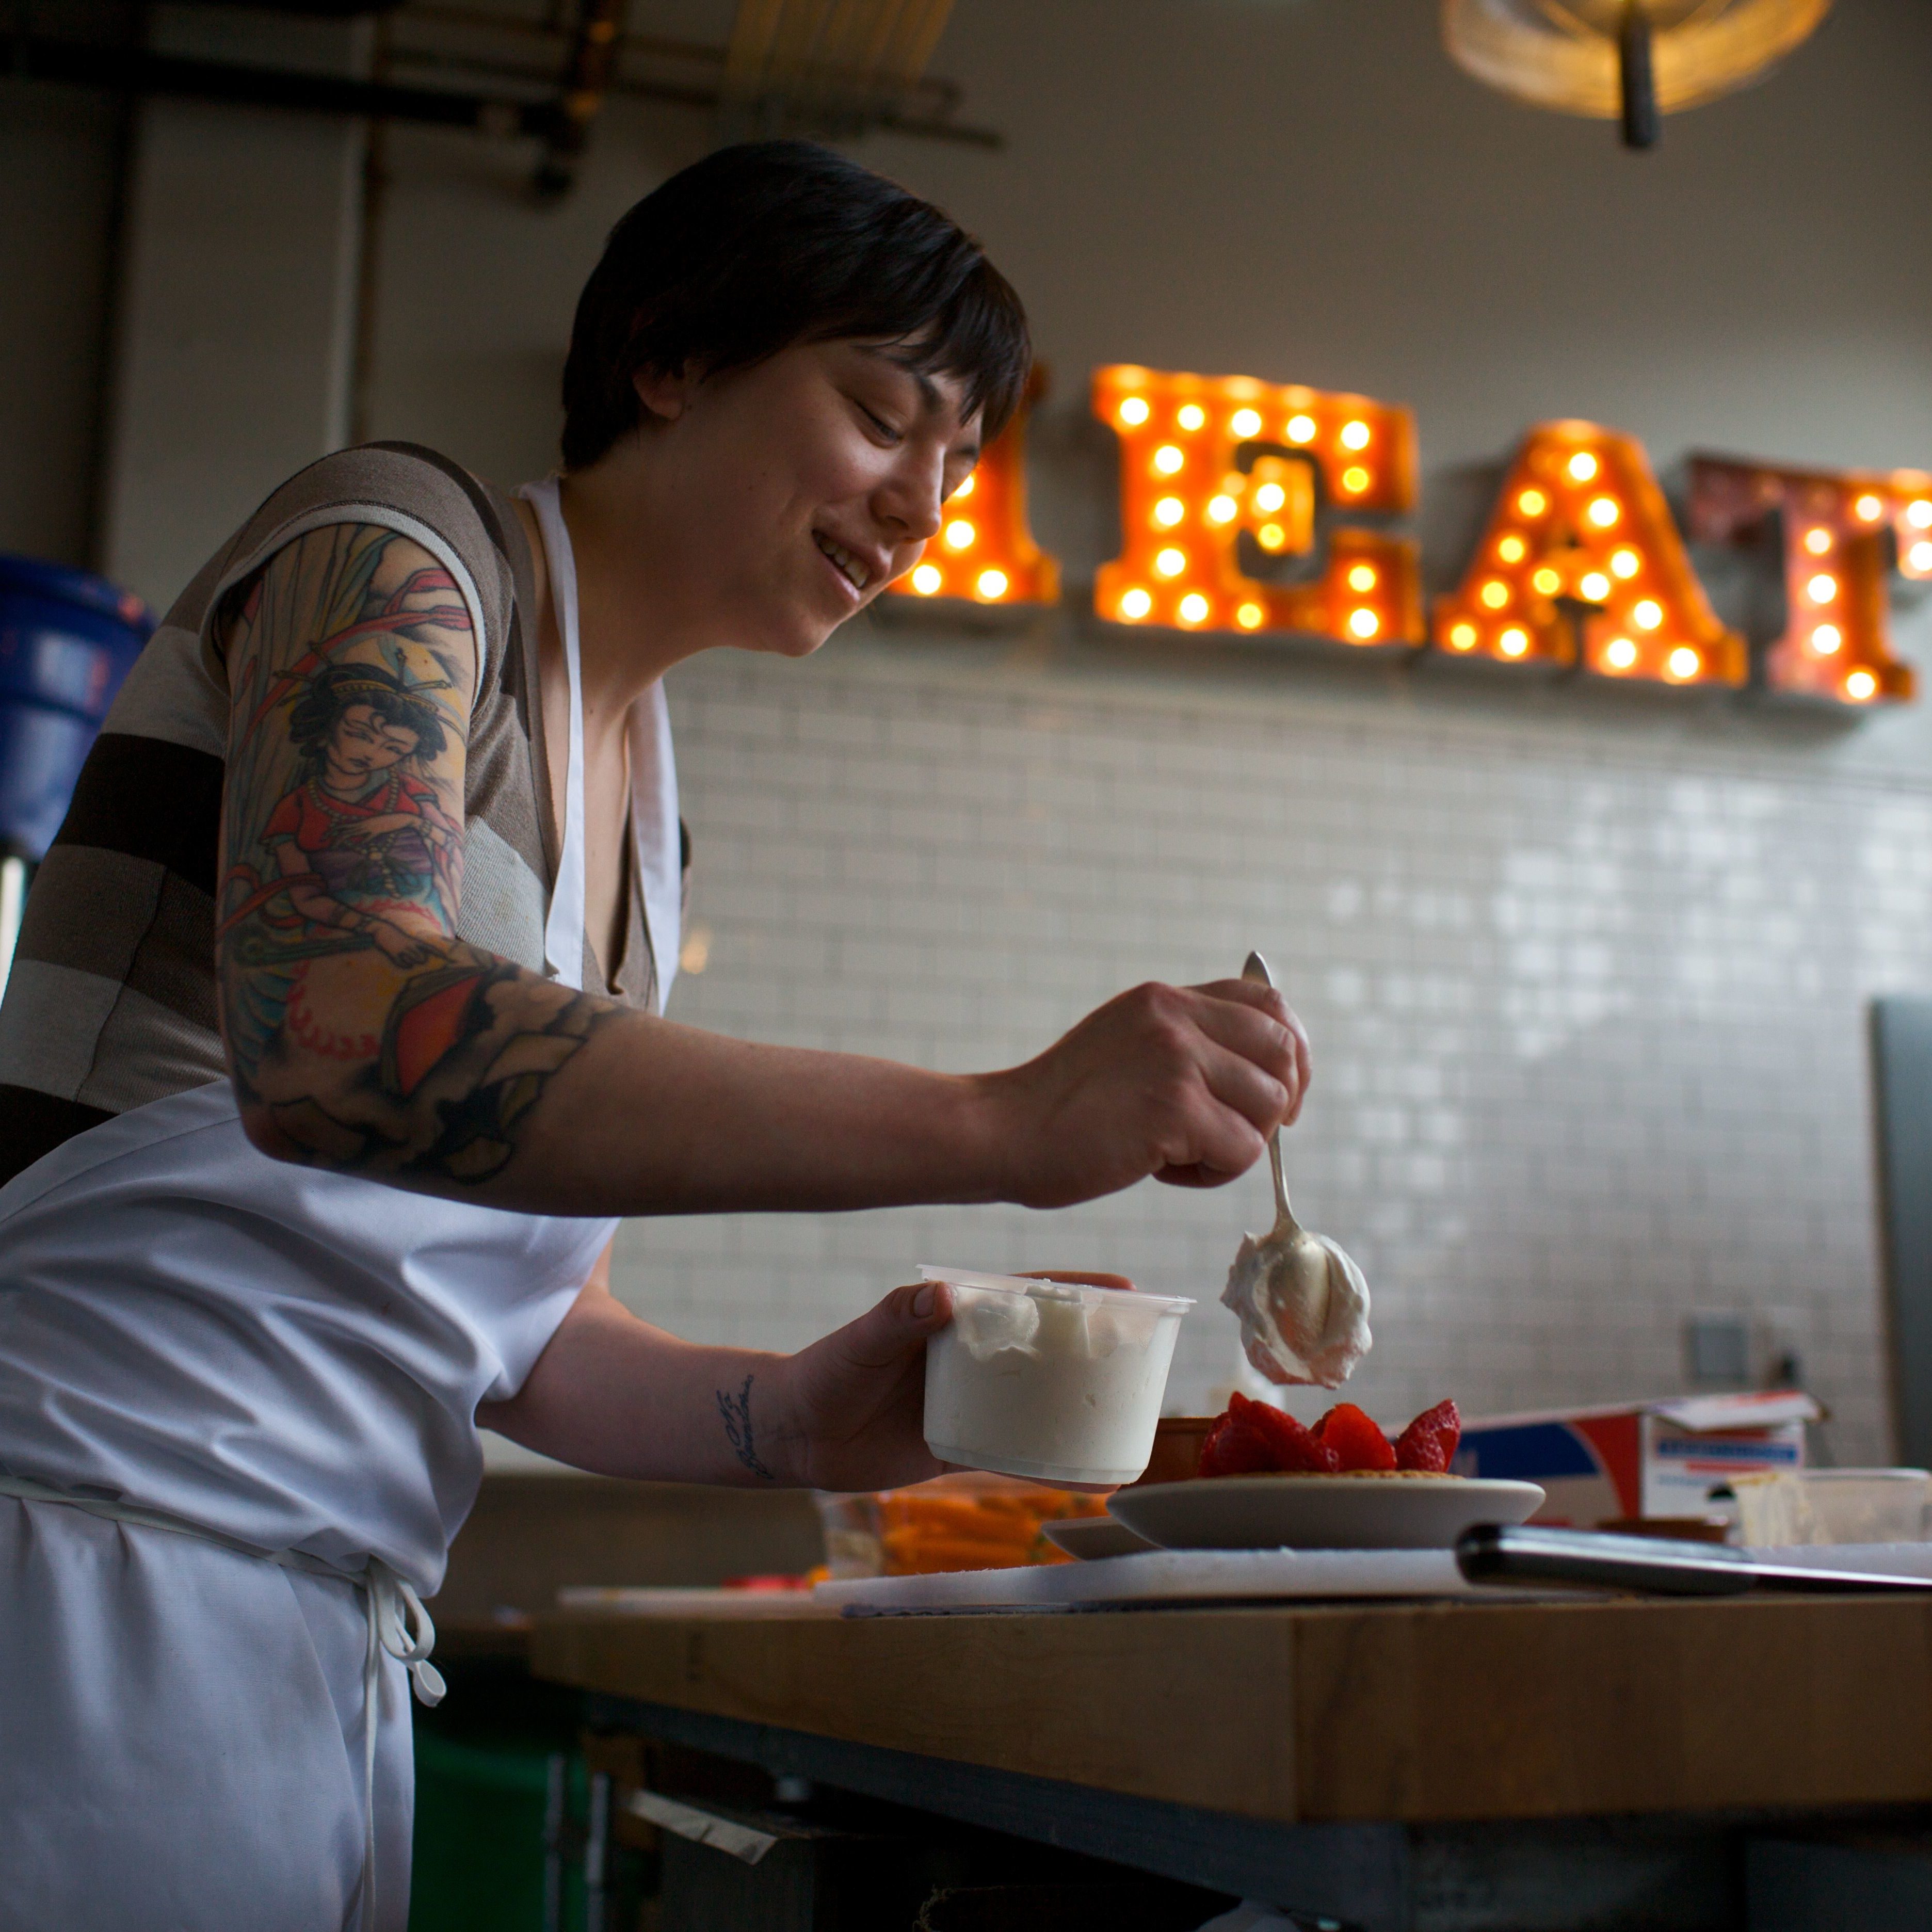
point(758, 247)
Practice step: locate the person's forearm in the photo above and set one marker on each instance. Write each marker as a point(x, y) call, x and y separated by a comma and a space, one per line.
point(559, 1102)
point(613, 1395)
point(668, 1119)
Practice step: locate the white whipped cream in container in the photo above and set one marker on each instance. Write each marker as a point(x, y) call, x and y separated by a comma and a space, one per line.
point(1055, 1380)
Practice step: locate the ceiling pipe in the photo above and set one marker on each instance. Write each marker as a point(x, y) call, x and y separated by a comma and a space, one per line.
point(136, 70)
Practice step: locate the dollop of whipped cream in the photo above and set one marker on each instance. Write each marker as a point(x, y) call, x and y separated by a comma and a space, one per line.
point(1304, 1308)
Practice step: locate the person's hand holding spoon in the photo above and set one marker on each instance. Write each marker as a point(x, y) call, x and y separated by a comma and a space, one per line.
point(1304, 1304)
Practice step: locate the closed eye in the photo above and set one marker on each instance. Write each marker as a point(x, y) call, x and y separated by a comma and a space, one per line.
point(886, 431)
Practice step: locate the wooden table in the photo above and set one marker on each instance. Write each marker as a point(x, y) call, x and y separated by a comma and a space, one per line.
point(1532, 1764)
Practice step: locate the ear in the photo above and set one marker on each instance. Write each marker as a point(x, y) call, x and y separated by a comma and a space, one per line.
point(664, 393)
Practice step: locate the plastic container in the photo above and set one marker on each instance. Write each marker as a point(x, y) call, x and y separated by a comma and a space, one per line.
point(966, 1520)
point(1869, 1505)
point(66, 641)
point(1055, 1380)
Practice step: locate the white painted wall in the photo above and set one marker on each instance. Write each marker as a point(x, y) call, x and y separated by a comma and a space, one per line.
point(235, 321)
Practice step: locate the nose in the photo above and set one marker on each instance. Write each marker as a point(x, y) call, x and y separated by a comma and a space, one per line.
point(907, 503)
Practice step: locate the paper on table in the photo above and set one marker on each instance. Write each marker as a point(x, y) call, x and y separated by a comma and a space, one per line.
point(1170, 1576)
point(691, 1601)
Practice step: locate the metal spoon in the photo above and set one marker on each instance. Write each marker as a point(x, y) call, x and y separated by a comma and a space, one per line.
point(1304, 1304)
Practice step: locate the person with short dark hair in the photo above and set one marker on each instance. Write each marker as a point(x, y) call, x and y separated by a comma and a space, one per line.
point(334, 1048)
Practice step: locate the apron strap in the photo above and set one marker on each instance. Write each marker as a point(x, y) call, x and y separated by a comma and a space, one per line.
point(397, 1626)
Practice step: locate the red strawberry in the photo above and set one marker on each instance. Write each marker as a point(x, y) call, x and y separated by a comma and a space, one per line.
point(1296, 1452)
point(1429, 1443)
point(1231, 1449)
point(1256, 1439)
point(1355, 1438)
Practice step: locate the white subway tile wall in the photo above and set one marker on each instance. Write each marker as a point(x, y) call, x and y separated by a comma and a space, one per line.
point(1588, 995)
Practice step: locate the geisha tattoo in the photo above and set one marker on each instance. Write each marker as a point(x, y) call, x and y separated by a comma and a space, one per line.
point(363, 1033)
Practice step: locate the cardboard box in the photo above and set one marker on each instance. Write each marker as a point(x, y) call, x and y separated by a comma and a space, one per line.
point(1646, 1459)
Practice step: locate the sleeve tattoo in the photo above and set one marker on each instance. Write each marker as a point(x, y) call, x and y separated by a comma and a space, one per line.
point(360, 1029)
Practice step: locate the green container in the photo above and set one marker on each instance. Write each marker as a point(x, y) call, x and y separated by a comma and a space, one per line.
point(479, 1835)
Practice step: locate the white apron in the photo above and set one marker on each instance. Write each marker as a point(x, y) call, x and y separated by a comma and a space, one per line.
point(208, 1358)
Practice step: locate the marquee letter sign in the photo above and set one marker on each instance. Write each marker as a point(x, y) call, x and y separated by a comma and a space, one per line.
point(985, 550)
point(1205, 460)
point(1581, 527)
point(1836, 530)
point(1581, 562)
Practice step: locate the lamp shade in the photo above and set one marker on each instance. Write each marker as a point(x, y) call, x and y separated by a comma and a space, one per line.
point(1572, 54)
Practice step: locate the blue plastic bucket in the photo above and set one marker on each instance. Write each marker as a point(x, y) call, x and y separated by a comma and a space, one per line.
point(66, 641)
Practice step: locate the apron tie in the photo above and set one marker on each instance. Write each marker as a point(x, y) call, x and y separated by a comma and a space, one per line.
point(396, 1622)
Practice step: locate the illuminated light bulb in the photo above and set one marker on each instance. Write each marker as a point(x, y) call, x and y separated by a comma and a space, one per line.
point(1355, 435)
point(1193, 608)
point(1495, 594)
point(965, 489)
point(1868, 509)
point(1582, 467)
point(1462, 637)
point(1221, 509)
point(992, 584)
point(1301, 429)
point(1625, 563)
point(1593, 587)
point(1532, 502)
point(1513, 642)
point(1134, 604)
point(1683, 663)
point(1817, 540)
point(1919, 513)
point(1168, 512)
point(1861, 685)
point(959, 534)
point(1134, 411)
point(1648, 615)
point(1822, 588)
point(927, 579)
point(1620, 654)
point(1190, 416)
point(1363, 624)
point(1603, 511)
point(1248, 616)
point(1171, 563)
point(1511, 549)
point(1246, 423)
point(1920, 557)
point(1548, 581)
point(1269, 497)
point(1355, 480)
point(1167, 459)
point(1270, 536)
point(1826, 639)
point(1362, 576)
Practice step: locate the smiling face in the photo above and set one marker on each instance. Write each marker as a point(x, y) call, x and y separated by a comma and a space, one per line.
point(794, 491)
point(361, 742)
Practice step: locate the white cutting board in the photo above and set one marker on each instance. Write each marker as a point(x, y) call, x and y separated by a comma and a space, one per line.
point(1171, 1576)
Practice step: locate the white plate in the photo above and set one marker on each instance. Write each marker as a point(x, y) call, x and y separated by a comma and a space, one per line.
point(1087, 1537)
point(1320, 1512)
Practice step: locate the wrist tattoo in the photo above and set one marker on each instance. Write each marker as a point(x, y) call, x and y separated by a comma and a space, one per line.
point(736, 1411)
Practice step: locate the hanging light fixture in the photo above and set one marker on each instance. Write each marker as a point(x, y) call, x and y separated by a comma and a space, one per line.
point(1632, 60)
